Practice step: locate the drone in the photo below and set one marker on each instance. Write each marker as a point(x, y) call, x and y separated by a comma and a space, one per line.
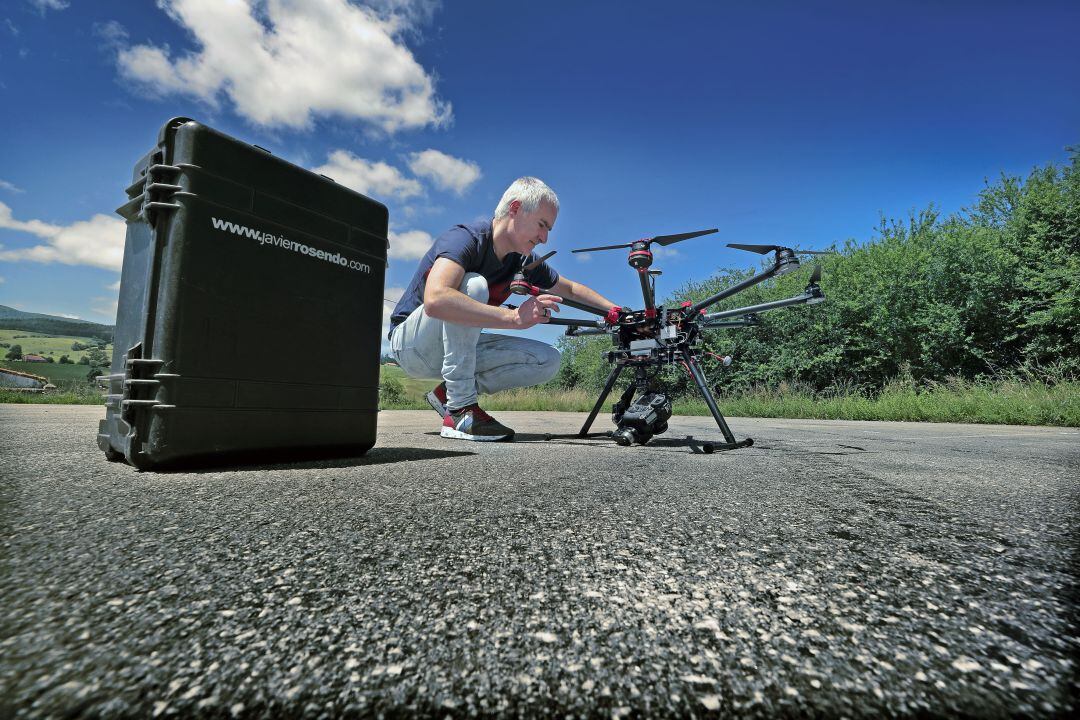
point(656, 336)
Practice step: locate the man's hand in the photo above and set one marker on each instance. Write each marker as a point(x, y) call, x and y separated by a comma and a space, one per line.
point(536, 310)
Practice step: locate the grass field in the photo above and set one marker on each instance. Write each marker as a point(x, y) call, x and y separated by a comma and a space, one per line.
point(1011, 402)
point(45, 345)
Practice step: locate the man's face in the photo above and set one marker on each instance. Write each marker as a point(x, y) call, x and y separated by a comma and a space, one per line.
point(530, 229)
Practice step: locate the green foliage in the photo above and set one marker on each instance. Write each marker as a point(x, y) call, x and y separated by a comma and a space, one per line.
point(15, 353)
point(97, 357)
point(391, 391)
point(65, 360)
point(84, 360)
point(985, 292)
point(76, 346)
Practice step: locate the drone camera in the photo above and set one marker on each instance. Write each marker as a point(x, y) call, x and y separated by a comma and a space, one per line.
point(645, 417)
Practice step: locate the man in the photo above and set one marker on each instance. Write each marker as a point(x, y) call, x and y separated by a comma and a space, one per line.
point(459, 288)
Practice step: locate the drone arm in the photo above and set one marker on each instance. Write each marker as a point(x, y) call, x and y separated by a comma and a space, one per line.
point(576, 323)
point(809, 296)
point(734, 289)
point(574, 331)
point(646, 289)
point(714, 324)
point(581, 297)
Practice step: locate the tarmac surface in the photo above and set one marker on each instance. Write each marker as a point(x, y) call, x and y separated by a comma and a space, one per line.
point(833, 569)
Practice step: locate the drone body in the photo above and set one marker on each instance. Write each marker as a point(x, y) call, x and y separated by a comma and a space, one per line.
point(655, 336)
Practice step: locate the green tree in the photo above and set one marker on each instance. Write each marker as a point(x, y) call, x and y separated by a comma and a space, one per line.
point(994, 287)
point(391, 391)
point(65, 360)
point(15, 353)
point(97, 357)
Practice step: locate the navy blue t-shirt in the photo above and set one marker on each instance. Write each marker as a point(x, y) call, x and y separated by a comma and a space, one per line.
point(470, 246)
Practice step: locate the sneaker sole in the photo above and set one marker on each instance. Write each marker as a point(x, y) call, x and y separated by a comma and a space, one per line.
point(458, 435)
point(437, 406)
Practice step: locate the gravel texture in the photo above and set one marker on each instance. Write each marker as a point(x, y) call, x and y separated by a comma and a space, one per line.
point(833, 569)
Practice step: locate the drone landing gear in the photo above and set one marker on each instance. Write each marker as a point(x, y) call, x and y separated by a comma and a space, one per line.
point(703, 388)
point(627, 434)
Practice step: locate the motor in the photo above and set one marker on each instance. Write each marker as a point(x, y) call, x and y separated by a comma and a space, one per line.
point(645, 417)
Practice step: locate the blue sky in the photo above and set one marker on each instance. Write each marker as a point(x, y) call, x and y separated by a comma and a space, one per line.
point(778, 122)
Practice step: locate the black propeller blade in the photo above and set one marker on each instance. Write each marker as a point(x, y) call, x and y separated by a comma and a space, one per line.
point(816, 275)
point(604, 247)
point(759, 249)
point(659, 240)
point(766, 249)
point(536, 262)
point(669, 239)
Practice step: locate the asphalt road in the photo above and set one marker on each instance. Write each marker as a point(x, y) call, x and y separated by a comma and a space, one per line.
point(834, 568)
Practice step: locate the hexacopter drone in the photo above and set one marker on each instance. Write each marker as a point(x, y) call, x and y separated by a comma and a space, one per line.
point(656, 335)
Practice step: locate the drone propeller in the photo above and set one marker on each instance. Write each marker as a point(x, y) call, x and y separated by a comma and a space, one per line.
point(816, 275)
point(669, 239)
point(536, 262)
point(766, 249)
point(659, 240)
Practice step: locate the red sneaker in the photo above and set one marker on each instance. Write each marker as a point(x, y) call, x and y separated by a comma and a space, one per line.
point(437, 399)
point(472, 423)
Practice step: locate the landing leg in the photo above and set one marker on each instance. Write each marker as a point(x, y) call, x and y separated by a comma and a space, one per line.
point(615, 372)
point(699, 380)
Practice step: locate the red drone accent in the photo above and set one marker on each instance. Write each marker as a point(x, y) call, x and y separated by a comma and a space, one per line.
point(612, 316)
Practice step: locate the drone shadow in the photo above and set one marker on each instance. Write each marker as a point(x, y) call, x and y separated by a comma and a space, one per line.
point(697, 447)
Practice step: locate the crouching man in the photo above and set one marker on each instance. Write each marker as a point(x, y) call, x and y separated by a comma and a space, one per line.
point(459, 288)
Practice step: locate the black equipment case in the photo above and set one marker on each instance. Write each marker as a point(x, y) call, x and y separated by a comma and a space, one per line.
point(250, 313)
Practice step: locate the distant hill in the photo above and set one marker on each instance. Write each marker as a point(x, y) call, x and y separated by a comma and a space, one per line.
point(13, 319)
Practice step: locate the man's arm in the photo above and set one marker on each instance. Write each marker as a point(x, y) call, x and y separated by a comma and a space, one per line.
point(443, 301)
point(581, 293)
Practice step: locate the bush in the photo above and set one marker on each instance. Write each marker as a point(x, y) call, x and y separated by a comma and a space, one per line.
point(391, 391)
point(65, 360)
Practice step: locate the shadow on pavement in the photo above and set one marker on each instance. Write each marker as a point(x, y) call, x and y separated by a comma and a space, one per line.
point(263, 462)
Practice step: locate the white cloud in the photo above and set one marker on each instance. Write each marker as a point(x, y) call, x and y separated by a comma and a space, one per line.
point(115, 287)
point(409, 245)
point(2, 279)
point(105, 307)
point(665, 253)
point(283, 62)
point(376, 179)
point(446, 171)
point(5, 185)
point(391, 295)
point(97, 242)
point(43, 6)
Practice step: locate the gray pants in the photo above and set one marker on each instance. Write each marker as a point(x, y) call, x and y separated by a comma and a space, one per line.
point(469, 361)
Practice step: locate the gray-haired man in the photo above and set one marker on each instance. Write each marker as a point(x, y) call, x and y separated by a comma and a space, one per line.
point(459, 288)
